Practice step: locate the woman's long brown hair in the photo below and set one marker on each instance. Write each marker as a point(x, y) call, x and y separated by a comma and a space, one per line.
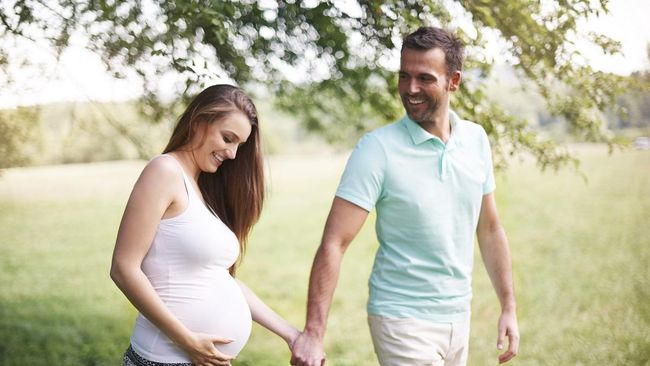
point(236, 191)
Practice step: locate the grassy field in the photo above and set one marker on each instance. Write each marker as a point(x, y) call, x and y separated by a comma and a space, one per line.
point(581, 259)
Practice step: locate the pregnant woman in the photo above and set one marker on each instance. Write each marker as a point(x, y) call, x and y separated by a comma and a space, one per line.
point(184, 227)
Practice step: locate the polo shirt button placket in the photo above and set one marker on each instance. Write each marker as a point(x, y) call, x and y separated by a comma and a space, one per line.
point(442, 169)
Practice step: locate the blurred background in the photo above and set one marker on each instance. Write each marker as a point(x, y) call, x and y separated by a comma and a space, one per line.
point(90, 90)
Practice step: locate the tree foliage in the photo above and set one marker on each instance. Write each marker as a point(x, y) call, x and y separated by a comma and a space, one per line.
point(17, 134)
point(327, 62)
point(635, 104)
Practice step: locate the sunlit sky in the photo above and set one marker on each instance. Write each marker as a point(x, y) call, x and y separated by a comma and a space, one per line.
point(79, 75)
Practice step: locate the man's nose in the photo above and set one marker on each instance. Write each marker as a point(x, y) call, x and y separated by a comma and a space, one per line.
point(413, 86)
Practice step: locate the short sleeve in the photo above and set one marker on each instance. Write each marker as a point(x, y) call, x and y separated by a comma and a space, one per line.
point(489, 185)
point(363, 177)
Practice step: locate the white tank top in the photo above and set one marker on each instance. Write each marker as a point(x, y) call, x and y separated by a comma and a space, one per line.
point(187, 265)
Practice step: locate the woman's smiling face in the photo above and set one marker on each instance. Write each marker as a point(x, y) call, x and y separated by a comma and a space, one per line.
point(219, 140)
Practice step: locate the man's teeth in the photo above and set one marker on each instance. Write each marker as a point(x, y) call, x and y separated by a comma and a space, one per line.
point(415, 101)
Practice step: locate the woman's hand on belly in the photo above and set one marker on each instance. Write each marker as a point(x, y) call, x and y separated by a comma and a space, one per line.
point(202, 351)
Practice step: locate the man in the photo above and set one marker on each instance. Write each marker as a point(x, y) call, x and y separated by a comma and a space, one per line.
point(429, 176)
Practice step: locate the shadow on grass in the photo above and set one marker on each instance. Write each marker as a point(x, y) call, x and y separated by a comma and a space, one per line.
point(47, 331)
point(641, 355)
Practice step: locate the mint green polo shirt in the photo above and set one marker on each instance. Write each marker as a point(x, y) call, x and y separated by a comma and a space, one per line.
point(428, 198)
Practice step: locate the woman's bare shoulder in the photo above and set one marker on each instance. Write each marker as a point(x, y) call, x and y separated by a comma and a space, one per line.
point(164, 165)
point(161, 174)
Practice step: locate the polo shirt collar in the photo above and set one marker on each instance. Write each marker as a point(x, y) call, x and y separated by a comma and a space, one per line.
point(420, 135)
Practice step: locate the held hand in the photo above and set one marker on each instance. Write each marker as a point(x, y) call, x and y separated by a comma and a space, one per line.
point(508, 328)
point(203, 352)
point(292, 337)
point(307, 350)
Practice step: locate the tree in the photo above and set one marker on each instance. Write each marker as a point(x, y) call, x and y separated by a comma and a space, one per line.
point(339, 84)
point(635, 103)
point(17, 132)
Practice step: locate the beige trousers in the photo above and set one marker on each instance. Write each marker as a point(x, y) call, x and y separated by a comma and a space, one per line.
point(416, 342)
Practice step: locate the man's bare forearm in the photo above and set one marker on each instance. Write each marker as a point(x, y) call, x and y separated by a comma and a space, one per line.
point(322, 284)
point(498, 264)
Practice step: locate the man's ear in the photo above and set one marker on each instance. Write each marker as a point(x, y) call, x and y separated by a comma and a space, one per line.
point(454, 81)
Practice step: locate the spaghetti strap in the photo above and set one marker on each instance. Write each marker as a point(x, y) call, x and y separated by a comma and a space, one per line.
point(186, 179)
point(189, 186)
point(194, 195)
point(177, 163)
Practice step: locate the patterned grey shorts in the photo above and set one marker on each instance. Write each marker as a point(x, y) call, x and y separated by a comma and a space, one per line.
point(133, 359)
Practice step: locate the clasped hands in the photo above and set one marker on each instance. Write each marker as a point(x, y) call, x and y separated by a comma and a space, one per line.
point(307, 350)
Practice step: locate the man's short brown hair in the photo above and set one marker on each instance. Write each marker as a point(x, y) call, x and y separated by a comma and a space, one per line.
point(427, 38)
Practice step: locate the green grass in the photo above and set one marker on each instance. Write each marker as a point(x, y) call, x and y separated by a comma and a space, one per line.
point(581, 260)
